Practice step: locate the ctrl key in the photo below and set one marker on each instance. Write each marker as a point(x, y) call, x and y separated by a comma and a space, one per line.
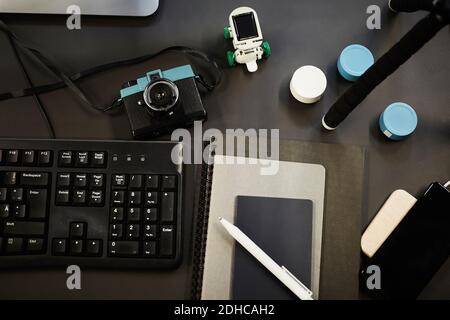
point(35, 245)
point(123, 248)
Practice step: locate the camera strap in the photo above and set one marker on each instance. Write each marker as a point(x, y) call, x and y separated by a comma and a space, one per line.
point(69, 81)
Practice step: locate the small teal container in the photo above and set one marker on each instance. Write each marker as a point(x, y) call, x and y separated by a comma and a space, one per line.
point(354, 61)
point(398, 121)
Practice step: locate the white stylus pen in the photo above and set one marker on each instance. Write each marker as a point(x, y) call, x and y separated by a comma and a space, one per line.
point(283, 274)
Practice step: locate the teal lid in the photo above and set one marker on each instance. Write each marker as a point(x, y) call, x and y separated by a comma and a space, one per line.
point(354, 61)
point(398, 121)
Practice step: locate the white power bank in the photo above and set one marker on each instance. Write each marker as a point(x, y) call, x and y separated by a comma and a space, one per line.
point(387, 219)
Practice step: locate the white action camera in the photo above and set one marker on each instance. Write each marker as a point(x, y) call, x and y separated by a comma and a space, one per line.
point(247, 38)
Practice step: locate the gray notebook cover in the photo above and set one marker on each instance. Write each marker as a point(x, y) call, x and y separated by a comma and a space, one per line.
point(236, 176)
point(344, 194)
point(282, 228)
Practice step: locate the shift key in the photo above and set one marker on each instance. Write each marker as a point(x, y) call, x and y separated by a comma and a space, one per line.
point(34, 179)
point(24, 228)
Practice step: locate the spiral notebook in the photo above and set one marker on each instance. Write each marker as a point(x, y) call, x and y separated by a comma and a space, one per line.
point(233, 178)
point(342, 204)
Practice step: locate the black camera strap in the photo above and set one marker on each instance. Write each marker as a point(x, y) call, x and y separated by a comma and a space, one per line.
point(69, 81)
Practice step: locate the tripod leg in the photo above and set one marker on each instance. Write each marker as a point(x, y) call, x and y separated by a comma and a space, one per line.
point(410, 5)
point(415, 39)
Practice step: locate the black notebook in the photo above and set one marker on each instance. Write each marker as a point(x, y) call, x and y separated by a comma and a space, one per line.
point(282, 228)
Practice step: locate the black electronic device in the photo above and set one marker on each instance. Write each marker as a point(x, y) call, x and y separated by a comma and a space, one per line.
point(416, 249)
point(163, 101)
point(102, 204)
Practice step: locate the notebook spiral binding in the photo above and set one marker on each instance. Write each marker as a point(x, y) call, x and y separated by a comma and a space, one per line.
point(201, 228)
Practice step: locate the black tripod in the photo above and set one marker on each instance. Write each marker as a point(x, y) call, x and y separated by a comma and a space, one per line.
point(415, 39)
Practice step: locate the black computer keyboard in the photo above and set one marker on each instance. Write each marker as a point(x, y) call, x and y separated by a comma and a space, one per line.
point(106, 204)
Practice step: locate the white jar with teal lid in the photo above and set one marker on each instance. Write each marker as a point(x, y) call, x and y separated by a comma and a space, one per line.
point(398, 121)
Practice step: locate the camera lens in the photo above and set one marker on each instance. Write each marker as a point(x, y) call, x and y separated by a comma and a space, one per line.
point(161, 95)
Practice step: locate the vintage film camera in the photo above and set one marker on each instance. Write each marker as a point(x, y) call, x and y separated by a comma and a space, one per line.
point(163, 101)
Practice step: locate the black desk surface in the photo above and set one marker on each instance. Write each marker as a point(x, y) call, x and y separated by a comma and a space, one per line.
point(300, 32)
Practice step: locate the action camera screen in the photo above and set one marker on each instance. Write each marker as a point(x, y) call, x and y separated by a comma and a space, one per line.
point(245, 26)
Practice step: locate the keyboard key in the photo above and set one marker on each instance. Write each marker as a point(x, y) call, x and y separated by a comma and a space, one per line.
point(80, 180)
point(8, 178)
point(116, 214)
point(34, 179)
point(19, 211)
point(63, 180)
point(17, 195)
point(116, 231)
point(149, 248)
point(79, 197)
point(45, 158)
point(151, 198)
point(119, 180)
point(93, 247)
point(99, 159)
point(133, 231)
point(77, 229)
point(12, 157)
point(65, 159)
point(28, 158)
point(123, 248)
point(118, 197)
point(59, 246)
point(166, 241)
point(134, 214)
point(24, 228)
point(63, 197)
point(134, 198)
point(76, 247)
point(150, 215)
point(4, 210)
point(13, 245)
point(168, 206)
point(149, 231)
point(3, 194)
point(34, 245)
point(82, 159)
point(37, 202)
point(152, 182)
point(96, 198)
point(169, 182)
point(97, 181)
point(135, 182)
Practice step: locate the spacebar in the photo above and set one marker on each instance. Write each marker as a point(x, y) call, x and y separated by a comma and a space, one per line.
point(123, 248)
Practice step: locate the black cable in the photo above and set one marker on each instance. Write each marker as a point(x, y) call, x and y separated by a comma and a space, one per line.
point(47, 61)
point(37, 99)
point(108, 66)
